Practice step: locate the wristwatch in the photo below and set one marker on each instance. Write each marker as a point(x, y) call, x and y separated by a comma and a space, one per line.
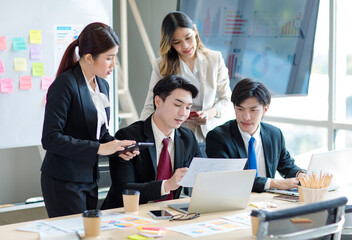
point(301, 171)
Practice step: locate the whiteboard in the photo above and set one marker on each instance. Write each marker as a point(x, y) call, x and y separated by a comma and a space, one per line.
point(22, 111)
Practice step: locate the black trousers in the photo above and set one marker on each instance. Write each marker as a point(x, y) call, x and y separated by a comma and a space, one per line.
point(65, 198)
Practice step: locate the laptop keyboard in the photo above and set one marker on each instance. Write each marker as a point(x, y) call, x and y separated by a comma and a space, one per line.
point(184, 209)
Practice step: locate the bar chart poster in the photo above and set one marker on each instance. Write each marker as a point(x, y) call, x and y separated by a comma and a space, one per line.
point(270, 41)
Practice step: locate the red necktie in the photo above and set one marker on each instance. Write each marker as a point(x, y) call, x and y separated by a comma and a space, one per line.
point(164, 166)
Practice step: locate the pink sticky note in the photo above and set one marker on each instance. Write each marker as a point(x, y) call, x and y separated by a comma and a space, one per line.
point(36, 52)
point(2, 70)
point(2, 43)
point(46, 82)
point(25, 82)
point(6, 85)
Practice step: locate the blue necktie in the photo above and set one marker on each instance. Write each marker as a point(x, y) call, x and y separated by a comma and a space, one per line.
point(251, 156)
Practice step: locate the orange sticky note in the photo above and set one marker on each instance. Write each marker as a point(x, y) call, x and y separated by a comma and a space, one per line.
point(25, 82)
point(46, 82)
point(6, 85)
point(2, 43)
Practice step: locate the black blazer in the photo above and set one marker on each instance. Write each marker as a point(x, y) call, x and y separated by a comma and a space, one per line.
point(140, 172)
point(69, 131)
point(225, 141)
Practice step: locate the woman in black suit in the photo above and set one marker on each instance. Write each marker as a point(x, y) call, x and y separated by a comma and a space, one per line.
point(76, 123)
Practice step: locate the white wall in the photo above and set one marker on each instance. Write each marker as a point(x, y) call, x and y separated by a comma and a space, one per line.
point(20, 167)
point(152, 13)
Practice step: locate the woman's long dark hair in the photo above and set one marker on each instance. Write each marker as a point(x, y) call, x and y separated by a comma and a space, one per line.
point(95, 38)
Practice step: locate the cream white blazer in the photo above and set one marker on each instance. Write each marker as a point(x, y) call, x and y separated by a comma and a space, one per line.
point(215, 85)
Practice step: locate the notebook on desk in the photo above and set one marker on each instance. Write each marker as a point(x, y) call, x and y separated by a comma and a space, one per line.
point(219, 191)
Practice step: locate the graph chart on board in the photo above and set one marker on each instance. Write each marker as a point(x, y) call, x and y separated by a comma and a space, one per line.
point(271, 41)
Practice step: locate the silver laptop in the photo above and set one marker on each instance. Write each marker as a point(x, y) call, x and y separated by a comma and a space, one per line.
point(219, 191)
point(338, 163)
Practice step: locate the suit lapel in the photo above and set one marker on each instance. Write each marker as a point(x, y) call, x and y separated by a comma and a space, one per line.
point(149, 137)
point(266, 141)
point(105, 90)
point(90, 112)
point(179, 150)
point(202, 66)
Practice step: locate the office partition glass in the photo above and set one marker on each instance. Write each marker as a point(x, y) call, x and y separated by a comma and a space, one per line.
point(302, 141)
point(344, 62)
point(343, 139)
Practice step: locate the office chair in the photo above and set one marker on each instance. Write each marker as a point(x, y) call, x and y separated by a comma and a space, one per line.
point(347, 229)
point(327, 220)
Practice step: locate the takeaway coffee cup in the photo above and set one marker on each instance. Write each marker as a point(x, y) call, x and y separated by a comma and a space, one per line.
point(130, 200)
point(255, 223)
point(92, 223)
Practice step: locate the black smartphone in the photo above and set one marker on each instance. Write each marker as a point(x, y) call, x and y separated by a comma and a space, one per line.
point(136, 146)
point(160, 214)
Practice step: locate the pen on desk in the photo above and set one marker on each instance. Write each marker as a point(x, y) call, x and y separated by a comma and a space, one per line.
point(79, 236)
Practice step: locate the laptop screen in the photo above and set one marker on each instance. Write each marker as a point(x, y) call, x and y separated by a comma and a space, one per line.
point(338, 163)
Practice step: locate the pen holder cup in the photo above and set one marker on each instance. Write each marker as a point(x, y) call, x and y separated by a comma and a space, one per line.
point(300, 194)
point(311, 195)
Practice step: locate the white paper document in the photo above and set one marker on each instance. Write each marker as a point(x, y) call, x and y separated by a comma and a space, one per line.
point(200, 165)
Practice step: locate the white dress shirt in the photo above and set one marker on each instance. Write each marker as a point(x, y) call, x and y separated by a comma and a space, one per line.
point(159, 137)
point(101, 102)
point(259, 153)
point(193, 77)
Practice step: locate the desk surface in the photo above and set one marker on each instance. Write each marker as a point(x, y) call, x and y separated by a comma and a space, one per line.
point(9, 231)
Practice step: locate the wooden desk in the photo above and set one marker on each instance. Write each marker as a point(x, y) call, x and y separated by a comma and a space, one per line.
point(9, 232)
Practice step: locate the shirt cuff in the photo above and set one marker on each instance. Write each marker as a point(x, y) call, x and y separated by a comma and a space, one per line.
point(163, 192)
point(267, 184)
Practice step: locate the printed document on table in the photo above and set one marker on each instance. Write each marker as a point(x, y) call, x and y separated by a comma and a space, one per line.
point(200, 165)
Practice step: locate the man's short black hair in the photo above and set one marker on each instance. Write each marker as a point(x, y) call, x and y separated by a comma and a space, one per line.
point(165, 86)
point(248, 88)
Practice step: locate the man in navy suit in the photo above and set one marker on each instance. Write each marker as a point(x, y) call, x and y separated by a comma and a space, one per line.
point(173, 97)
point(251, 100)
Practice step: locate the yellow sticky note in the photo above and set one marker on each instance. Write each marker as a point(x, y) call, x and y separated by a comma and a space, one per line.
point(35, 36)
point(137, 237)
point(20, 64)
point(37, 69)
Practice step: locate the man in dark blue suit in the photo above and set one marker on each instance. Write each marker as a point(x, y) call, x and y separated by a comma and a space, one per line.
point(173, 97)
point(251, 100)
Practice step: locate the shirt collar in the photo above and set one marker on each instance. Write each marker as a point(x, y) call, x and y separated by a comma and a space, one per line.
point(159, 135)
point(96, 90)
point(246, 136)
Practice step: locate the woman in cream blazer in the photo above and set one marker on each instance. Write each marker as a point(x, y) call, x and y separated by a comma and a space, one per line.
point(183, 53)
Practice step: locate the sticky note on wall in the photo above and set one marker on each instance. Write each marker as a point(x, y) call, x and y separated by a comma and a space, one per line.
point(37, 69)
point(6, 85)
point(20, 64)
point(35, 36)
point(46, 82)
point(2, 43)
point(19, 44)
point(25, 82)
point(36, 52)
point(2, 70)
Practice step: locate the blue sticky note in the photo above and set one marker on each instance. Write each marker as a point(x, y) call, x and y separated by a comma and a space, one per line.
point(19, 44)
